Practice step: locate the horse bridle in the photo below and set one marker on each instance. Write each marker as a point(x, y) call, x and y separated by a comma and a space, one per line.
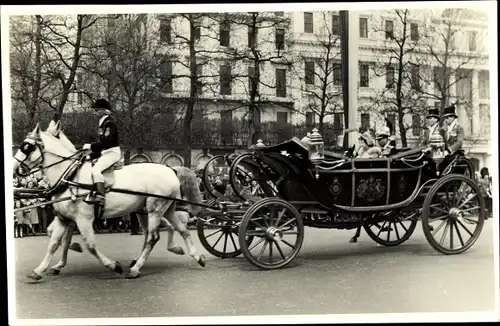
point(28, 147)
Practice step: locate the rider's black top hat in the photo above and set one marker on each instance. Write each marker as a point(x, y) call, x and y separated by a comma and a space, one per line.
point(101, 104)
point(433, 113)
point(450, 112)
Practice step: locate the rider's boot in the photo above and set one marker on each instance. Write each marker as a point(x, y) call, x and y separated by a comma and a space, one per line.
point(100, 199)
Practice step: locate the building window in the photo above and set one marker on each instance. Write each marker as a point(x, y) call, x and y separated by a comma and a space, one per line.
point(472, 41)
point(337, 74)
point(225, 80)
point(309, 73)
point(251, 78)
point(414, 32)
point(415, 77)
point(363, 27)
point(199, 83)
point(335, 24)
point(338, 123)
point(484, 84)
point(166, 31)
point(226, 121)
point(280, 39)
point(416, 125)
point(280, 82)
point(282, 117)
point(389, 29)
point(392, 119)
point(310, 119)
point(365, 122)
point(167, 77)
point(389, 77)
point(437, 105)
point(364, 75)
point(196, 33)
point(252, 36)
point(224, 30)
point(279, 13)
point(308, 22)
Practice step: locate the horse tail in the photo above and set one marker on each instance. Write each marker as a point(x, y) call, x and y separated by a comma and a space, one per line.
point(189, 187)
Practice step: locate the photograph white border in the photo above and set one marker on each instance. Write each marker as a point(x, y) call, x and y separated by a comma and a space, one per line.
point(488, 6)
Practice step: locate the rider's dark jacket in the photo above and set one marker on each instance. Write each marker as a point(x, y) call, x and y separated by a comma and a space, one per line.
point(108, 135)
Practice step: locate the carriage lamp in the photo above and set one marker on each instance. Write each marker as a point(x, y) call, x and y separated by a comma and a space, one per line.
point(316, 147)
point(436, 144)
point(260, 144)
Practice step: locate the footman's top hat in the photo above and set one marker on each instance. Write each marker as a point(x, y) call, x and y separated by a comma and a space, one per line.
point(450, 112)
point(101, 104)
point(433, 113)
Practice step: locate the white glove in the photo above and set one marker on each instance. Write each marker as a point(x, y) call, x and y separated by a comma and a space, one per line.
point(86, 146)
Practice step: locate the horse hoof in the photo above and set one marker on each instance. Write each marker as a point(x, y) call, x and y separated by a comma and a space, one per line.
point(131, 275)
point(75, 246)
point(201, 261)
point(118, 268)
point(132, 263)
point(177, 250)
point(53, 272)
point(34, 276)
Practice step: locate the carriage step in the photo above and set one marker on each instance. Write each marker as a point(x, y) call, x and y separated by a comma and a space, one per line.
point(314, 211)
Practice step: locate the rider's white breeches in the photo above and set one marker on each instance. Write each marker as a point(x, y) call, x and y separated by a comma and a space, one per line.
point(108, 157)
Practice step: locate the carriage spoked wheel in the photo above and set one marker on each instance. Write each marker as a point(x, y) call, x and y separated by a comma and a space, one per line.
point(278, 229)
point(211, 170)
point(397, 228)
point(456, 211)
point(220, 236)
point(247, 179)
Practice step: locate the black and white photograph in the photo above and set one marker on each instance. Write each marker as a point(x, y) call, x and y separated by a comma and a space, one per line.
point(251, 163)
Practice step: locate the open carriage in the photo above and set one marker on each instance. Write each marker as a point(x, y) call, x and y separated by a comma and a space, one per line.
point(299, 186)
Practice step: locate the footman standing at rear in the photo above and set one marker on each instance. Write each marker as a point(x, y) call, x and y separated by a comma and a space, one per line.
point(106, 149)
point(454, 132)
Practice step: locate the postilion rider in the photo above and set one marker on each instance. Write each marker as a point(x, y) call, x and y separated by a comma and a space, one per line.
point(107, 150)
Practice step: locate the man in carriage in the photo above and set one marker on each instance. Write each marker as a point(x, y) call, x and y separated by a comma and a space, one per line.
point(433, 127)
point(454, 133)
point(107, 150)
point(384, 142)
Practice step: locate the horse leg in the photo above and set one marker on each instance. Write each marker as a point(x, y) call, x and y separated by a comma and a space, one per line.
point(143, 222)
point(156, 208)
point(66, 240)
point(57, 232)
point(84, 224)
point(176, 220)
point(172, 246)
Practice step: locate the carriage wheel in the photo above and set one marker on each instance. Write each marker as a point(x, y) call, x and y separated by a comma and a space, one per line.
point(210, 169)
point(247, 180)
point(278, 228)
point(396, 229)
point(453, 206)
point(220, 237)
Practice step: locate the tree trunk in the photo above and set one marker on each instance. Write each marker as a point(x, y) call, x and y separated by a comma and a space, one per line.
point(38, 71)
point(188, 118)
point(255, 125)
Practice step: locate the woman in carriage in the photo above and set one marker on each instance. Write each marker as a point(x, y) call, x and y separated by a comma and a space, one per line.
point(367, 148)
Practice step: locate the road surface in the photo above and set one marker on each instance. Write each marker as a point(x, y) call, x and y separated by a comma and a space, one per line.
point(329, 276)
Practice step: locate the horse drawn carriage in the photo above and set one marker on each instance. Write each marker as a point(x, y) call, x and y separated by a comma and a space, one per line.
point(295, 186)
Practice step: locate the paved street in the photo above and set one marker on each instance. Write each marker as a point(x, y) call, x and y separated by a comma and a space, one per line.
point(330, 276)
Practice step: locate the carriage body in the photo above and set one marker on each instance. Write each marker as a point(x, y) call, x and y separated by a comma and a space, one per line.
point(343, 193)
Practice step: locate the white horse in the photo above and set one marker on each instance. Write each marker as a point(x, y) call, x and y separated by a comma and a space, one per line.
point(158, 183)
point(54, 129)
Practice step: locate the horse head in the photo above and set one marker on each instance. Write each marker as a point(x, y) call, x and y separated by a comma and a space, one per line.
point(34, 148)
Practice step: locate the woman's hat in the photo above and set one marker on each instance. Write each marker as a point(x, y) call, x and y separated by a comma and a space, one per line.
point(101, 104)
point(367, 137)
point(433, 113)
point(450, 112)
point(383, 132)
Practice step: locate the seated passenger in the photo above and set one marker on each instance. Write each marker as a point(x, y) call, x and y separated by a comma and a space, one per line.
point(366, 147)
point(306, 141)
point(384, 144)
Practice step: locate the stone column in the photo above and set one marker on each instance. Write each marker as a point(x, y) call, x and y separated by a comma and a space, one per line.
point(353, 27)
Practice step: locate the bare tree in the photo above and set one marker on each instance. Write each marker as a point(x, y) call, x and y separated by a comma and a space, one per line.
point(320, 80)
point(400, 67)
point(450, 64)
point(266, 43)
